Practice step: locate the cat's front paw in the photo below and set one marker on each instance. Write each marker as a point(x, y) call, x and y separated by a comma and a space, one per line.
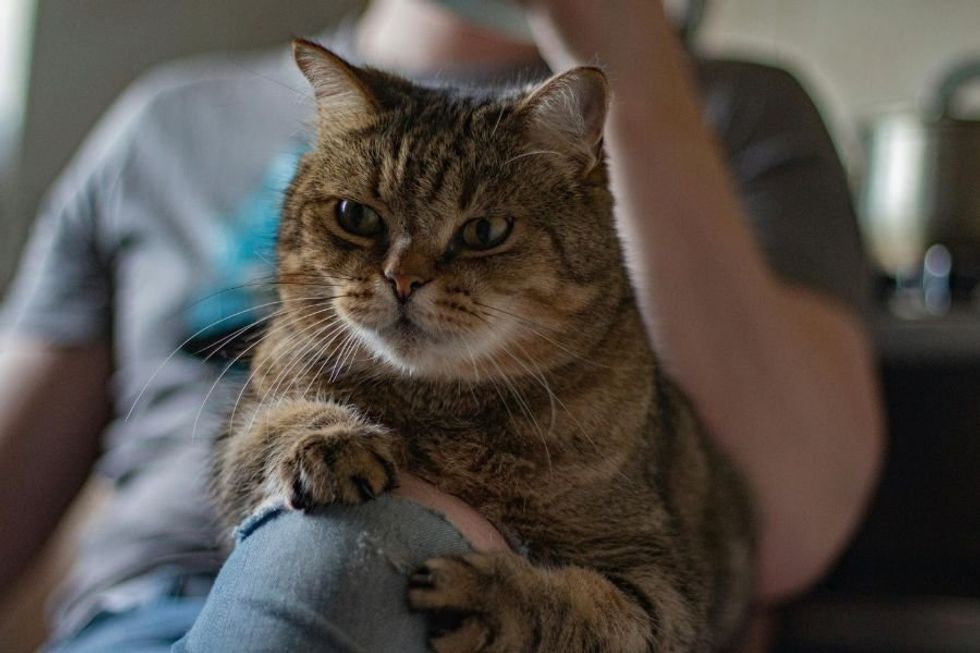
point(476, 601)
point(338, 465)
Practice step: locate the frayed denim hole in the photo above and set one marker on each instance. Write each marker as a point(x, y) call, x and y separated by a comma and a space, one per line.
point(260, 518)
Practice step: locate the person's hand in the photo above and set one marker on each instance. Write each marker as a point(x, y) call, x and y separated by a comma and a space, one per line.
point(472, 525)
point(617, 34)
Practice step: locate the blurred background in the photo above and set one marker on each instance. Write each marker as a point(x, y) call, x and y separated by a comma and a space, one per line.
point(62, 62)
point(911, 580)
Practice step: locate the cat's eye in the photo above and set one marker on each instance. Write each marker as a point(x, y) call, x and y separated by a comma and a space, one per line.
point(485, 233)
point(358, 219)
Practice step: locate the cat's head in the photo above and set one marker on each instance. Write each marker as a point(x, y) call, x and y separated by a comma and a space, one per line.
point(454, 235)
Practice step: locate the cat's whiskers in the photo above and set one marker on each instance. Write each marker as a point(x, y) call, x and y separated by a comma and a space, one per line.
point(525, 408)
point(310, 339)
point(491, 381)
point(533, 327)
point(296, 353)
point(304, 278)
point(543, 380)
point(321, 345)
point(325, 359)
point(320, 341)
point(207, 396)
point(476, 371)
point(324, 345)
point(540, 378)
point(186, 342)
point(274, 282)
point(581, 428)
point(283, 349)
point(223, 342)
point(349, 364)
point(221, 375)
point(339, 356)
point(349, 343)
point(225, 371)
point(338, 353)
point(290, 319)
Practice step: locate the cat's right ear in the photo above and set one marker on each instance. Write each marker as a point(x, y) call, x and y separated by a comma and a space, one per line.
point(567, 113)
point(343, 100)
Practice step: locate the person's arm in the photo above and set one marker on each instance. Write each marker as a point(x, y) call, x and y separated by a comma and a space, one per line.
point(53, 406)
point(782, 376)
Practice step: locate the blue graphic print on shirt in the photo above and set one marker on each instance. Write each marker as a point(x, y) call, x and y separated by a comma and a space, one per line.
point(241, 292)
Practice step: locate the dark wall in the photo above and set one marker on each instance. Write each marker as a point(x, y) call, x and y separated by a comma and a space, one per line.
point(86, 51)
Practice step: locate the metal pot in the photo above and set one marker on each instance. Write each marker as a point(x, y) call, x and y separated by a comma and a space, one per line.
point(922, 187)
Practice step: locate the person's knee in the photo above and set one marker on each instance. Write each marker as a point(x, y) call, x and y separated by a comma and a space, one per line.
point(334, 580)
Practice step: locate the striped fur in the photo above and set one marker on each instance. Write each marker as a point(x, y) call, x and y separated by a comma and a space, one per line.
point(519, 379)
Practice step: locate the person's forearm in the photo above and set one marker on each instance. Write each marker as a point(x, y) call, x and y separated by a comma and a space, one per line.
point(783, 379)
point(53, 405)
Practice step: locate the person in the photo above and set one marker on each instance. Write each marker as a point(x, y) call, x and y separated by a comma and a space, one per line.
point(741, 242)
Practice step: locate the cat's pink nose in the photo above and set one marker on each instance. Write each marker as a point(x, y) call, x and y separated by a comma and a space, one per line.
point(404, 284)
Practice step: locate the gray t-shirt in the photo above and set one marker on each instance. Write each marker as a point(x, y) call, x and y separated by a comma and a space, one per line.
point(150, 221)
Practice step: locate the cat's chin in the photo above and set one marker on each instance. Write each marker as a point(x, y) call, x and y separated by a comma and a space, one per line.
point(411, 350)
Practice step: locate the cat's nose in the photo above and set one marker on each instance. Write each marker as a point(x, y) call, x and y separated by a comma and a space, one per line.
point(404, 284)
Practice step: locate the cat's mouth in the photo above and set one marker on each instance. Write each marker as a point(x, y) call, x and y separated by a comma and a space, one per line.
point(434, 337)
point(405, 329)
point(404, 324)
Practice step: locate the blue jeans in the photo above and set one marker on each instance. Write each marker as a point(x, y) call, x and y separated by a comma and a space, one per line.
point(333, 581)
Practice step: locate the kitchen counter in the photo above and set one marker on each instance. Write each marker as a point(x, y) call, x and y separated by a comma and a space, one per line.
point(954, 337)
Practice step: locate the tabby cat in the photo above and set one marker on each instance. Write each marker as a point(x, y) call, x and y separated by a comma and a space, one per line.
point(455, 304)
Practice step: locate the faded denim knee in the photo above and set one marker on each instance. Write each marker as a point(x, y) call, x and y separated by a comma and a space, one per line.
point(330, 581)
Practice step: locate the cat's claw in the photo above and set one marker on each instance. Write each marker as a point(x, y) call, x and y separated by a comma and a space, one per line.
point(473, 608)
point(364, 488)
point(338, 466)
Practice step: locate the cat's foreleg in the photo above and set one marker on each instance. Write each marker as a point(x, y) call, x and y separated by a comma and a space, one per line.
point(502, 602)
point(303, 453)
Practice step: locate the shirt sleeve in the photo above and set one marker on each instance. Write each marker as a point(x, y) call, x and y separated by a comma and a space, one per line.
point(791, 181)
point(62, 291)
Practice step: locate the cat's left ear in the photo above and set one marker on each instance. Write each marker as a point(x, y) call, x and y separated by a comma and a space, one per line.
point(567, 113)
point(343, 99)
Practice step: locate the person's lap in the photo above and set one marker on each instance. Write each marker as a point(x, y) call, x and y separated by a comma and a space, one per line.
point(151, 628)
point(333, 581)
